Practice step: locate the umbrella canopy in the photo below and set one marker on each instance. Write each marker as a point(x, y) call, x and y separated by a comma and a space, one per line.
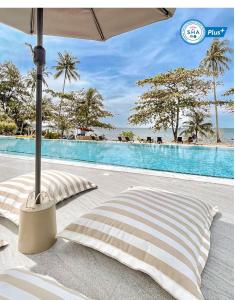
point(85, 23)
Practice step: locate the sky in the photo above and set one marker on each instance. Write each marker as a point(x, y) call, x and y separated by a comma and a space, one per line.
point(113, 67)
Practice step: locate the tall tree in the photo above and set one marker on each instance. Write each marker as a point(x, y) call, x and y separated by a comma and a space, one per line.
point(87, 109)
point(171, 94)
point(31, 79)
point(13, 92)
point(67, 66)
point(216, 62)
point(197, 124)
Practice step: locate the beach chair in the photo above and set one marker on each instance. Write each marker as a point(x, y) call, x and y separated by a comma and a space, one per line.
point(93, 138)
point(127, 139)
point(120, 139)
point(190, 139)
point(159, 140)
point(149, 139)
point(101, 138)
point(180, 139)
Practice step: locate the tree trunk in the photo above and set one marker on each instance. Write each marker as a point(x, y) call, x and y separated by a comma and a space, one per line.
point(177, 124)
point(61, 100)
point(65, 74)
point(22, 128)
point(218, 140)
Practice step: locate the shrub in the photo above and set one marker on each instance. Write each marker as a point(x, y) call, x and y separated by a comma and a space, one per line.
point(51, 135)
point(7, 128)
point(128, 134)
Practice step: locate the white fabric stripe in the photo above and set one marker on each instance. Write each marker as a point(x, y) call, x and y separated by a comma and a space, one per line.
point(62, 180)
point(13, 293)
point(59, 178)
point(173, 196)
point(9, 215)
point(202, 204)
point(141, 244)
point(150, 230)
point(11, 202)
point(157, 213)
point(59, 190)
point(27, 182)
point(178, 202)
point(167, 207)
point(154, 208)
point(13, 189)
point(159, 223)
point(166, 282)
point(44, 283)
point(77, 182)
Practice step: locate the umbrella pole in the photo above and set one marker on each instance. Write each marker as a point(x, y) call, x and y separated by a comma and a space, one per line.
point(39, 60)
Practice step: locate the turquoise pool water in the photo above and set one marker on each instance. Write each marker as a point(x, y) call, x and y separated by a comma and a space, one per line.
point(208, 161)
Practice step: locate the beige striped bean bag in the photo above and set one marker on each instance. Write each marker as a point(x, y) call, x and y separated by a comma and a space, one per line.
point(58, 184)
point(163, 234)
point(21, 284)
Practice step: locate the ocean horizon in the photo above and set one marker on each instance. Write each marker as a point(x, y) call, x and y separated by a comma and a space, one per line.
point(227, 134)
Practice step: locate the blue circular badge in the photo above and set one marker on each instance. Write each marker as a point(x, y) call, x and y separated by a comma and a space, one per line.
point(193, 32)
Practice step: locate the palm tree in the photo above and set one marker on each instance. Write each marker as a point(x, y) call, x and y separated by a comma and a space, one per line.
point(196, 124)
point(66, 64)
point(216, 62)
point(31, 79)
point(87, 109)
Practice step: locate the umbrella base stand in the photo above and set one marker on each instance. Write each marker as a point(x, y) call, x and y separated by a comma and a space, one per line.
point(37, 228)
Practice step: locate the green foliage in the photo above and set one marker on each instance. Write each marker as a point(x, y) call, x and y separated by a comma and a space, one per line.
point(31, 79)
point(215, 63)
point(7, 128)
point(86, 109)
point(13, 92)
point(229, 104)
point(170, 96)
point(51, 135)
point(197, 124)
point(67, 65)
point(128, 134)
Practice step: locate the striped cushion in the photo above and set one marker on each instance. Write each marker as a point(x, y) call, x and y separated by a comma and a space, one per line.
point(21, 284)
point(59, 186)
point(163, 234)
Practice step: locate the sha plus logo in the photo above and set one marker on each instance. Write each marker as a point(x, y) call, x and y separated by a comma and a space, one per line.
point(193, 32)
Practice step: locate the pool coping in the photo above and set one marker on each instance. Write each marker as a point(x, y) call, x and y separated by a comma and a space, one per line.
point(206, 179)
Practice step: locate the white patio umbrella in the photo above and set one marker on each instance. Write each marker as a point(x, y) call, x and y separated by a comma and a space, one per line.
point(85, 23)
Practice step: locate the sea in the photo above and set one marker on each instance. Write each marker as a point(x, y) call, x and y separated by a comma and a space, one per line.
point(226, 134)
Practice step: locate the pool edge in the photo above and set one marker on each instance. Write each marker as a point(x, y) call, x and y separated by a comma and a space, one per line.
point(206, 179)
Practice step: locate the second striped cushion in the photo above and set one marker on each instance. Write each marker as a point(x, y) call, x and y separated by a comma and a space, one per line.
point(58, 185)
point(162, 234)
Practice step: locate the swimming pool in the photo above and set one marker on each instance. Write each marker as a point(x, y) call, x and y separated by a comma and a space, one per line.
point(208, 161)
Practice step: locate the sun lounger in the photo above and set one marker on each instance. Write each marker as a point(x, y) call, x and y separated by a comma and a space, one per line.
point(120, 139)
point(190, 140)
point(159, 140)
point(180, 139)
point(149, 139)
